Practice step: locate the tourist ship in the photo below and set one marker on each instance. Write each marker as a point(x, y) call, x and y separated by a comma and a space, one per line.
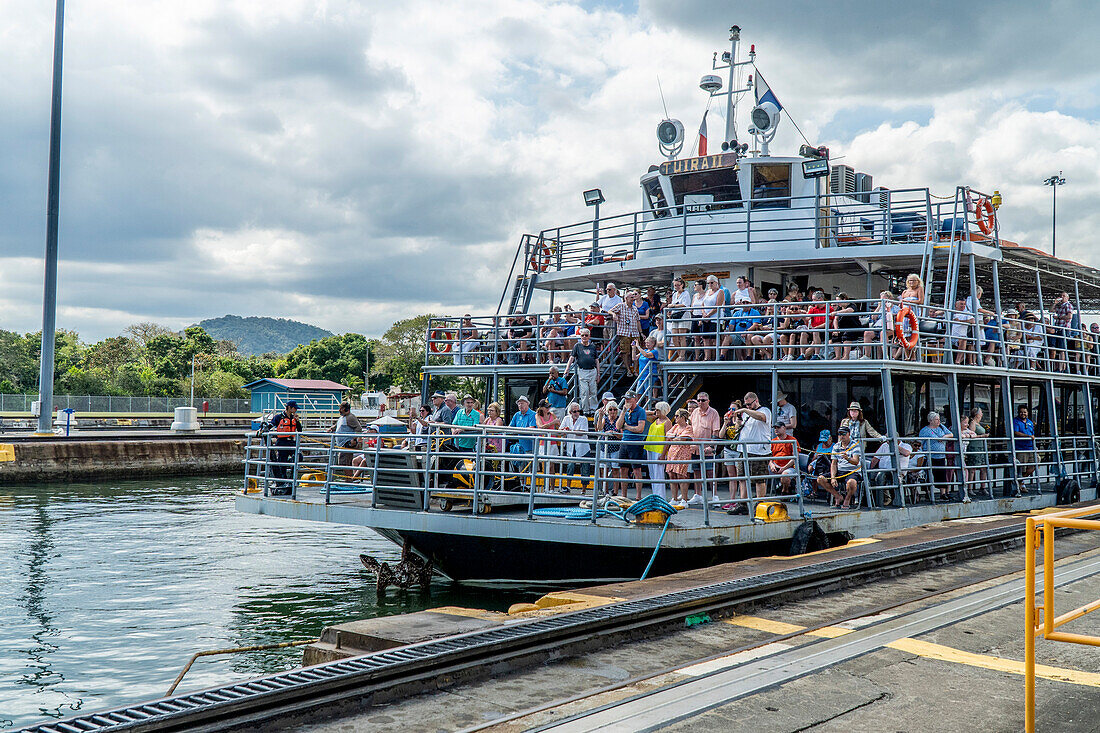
point(482, 516)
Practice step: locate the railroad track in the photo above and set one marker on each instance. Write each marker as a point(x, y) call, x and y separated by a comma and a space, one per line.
point(347, 685)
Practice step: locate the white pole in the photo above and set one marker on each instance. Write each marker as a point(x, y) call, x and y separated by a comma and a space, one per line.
point(731, 106)
point(192, 381)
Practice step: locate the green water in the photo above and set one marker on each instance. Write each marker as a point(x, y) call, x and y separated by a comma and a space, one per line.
point(107, 589)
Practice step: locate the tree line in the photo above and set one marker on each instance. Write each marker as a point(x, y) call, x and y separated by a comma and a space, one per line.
point(148, 359)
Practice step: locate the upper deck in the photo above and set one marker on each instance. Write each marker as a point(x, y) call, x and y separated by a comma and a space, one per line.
point(688, 223)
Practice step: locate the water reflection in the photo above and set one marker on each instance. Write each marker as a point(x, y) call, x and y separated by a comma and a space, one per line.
point(112, 587)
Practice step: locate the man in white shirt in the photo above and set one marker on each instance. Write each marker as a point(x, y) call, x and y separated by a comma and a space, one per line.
point(756, 439)
point(575, 424)
point(611, 299)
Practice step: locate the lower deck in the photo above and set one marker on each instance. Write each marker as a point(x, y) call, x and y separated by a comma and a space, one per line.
point(506, 546)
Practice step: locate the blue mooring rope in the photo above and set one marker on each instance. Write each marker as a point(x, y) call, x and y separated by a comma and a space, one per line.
point(653, 503)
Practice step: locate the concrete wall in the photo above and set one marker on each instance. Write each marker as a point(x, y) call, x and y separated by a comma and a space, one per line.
point(60, 460)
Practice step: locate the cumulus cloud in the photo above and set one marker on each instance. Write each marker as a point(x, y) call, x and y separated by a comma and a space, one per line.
point(371, 161)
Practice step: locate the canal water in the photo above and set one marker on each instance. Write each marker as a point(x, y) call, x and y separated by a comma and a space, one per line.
point(106, 590)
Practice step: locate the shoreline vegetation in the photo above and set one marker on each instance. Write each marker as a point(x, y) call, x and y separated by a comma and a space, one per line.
point(148, 359)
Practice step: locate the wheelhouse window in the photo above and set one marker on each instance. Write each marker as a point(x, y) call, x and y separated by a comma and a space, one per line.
point(708, 190)
point(656, 197)
point(771, 186)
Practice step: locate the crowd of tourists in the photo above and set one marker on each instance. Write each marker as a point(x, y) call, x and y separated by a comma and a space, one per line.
point(744, 453)
point(710, 322)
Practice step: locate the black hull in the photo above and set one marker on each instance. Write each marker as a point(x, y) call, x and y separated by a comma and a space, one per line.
point(493, 560)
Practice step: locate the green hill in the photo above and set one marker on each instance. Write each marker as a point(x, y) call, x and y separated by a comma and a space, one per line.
point(261, 335)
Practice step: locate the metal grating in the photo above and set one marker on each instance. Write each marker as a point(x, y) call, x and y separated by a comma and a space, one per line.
point(268, 692)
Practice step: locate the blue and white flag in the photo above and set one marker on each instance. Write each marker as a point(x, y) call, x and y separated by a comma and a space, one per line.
point(764, 92)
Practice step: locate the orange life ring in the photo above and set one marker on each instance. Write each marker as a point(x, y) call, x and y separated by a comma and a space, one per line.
point(440, 341)
point(984, 213)
point(540, 257)
point(905, 314)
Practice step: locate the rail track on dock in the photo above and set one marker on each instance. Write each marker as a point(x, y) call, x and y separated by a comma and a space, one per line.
point(345, 686)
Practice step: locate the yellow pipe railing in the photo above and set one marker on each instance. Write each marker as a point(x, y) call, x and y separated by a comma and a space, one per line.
point(1040, 619)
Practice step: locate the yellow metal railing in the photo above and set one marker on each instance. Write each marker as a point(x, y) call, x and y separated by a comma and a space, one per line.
point(1040, 620)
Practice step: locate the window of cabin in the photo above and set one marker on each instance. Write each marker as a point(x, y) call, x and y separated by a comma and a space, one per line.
point(771, 181)
point(656, 197)
point(715, 189)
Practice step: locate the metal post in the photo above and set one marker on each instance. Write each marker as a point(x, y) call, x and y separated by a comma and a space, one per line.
point(192, 402)
point(956, 417)
point(53, 188)
point(477, 470)
point(425, 497)
point(294, 475)
point(328, 468)
point(534, 475)
point(595, 236)
point(1043, 320)
point(1001, 325)
point(892, 428)
point(706, 498)
point(1090, 428)
point(1006, 406)
point(596, 477)
point(1052, 416)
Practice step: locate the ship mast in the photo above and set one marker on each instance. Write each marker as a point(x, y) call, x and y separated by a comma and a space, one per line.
point(730, 62)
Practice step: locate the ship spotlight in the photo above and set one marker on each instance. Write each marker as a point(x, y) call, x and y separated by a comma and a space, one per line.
point(710, 83)
point(725, 147)
point(593, 197)
point(765, 117)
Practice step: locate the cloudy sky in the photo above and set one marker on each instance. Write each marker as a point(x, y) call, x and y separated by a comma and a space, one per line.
point(350, 163)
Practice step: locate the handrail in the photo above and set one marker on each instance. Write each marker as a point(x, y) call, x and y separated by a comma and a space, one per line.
point(1041, 621)
point(783, 331)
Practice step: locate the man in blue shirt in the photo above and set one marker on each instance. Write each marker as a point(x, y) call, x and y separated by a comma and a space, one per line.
point(745, 319)
point(524, 418)
point(633, 426)
point(1024, 432)
point(556, 390)
point(935, 450)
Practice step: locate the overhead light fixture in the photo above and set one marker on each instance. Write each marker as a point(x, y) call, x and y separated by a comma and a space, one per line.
point(593, 197)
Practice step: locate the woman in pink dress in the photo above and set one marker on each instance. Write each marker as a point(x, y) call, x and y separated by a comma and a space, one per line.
point(679, 456)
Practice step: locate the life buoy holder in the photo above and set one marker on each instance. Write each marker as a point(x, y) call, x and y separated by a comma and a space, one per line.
point(906, 314)
point(540, 257)
point(440, 342)
point(984, 213)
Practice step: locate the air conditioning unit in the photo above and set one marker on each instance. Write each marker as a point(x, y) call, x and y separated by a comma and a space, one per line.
point(883, 196)
point(842, 179)
point(864, 185)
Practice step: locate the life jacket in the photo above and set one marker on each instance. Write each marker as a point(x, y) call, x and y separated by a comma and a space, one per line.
point(286, 424)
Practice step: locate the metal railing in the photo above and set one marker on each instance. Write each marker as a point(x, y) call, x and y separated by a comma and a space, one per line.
point(785, 331)
point(1041, 620)
point(110, 403)
point(474, 464)
point(901, 216)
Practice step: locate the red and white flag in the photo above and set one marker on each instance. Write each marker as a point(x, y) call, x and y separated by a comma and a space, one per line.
point(703, 135)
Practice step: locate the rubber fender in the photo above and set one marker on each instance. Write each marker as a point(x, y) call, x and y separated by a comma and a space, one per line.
point(1069, 492)
point(809, 537)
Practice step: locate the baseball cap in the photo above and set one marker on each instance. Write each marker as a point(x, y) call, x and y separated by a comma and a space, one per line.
point(293, 404)
point(438, 394)
point(843, 430)
point(608, 396)
point(824, 435)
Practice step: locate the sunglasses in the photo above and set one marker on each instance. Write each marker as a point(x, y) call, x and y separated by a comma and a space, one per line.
point(576, 411)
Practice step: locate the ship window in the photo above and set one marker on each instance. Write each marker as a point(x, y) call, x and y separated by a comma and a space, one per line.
point(656, 197)
point(721, 185)
point(772, 183)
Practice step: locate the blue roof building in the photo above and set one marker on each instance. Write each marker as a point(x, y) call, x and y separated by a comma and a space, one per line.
point(312, 395)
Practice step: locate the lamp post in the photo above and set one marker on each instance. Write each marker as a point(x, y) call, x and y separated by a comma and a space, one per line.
point(49, 290)
point(594, 197)
point(1054, 182)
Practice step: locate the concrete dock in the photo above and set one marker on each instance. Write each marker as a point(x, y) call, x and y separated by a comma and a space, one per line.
point(119, 453)
point(964, 675)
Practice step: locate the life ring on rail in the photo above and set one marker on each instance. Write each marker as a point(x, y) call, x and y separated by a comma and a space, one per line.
point(984, 213)
point(440, 342)
point(540, 257)
point(906, 314)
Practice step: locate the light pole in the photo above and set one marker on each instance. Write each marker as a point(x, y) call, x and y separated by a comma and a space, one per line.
point(192, 403)
point(49, 290)
point(594, 197)
point(1054, 182)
